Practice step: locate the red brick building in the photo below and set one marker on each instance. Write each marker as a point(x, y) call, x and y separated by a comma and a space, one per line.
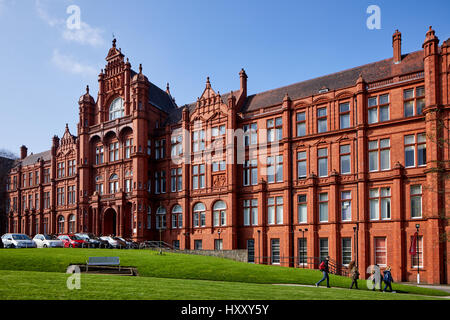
point(358, 158)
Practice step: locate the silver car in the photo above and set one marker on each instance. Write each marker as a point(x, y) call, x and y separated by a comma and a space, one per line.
point(47, 241)
point(17, 240)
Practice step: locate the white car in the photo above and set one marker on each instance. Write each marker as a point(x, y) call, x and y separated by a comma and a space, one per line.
point(113, 243)
point(47, 241)
point(17, 240)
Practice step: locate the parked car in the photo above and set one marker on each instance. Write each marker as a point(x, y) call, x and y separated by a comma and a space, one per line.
point(47, 241)
point(102, 243)
point(17, 240)
point(114, 242)
point(71, 241)
point(130, 244)
point(90, 241)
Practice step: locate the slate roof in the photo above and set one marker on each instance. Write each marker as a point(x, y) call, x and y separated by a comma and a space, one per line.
point(412, 62)
point(158, 97)
point(33, 158)
point(372, 72)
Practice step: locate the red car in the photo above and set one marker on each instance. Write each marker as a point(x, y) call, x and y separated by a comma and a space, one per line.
point(72, 241)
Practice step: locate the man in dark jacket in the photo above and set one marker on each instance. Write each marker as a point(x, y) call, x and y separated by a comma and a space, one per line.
point(325, 271)
point(387, 279)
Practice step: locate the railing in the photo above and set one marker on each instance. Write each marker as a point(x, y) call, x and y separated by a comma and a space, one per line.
point(156, 245)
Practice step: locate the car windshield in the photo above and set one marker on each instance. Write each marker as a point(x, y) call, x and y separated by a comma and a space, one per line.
point(74, 237)
point(50, 237)
point(20, 237)
point(82, 236)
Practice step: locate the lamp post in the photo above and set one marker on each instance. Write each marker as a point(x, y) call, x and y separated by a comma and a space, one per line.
point(355, 240)
point(302, 247)
point(160, 231)
point(218, 244)
point(259, 246)
point(417, 253)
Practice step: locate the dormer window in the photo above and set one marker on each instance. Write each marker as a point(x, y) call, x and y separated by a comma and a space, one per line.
point(116, 109)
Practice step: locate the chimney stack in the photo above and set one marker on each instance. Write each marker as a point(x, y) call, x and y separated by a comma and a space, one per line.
point(23, 152)
point(243, 77)
point(397, 45)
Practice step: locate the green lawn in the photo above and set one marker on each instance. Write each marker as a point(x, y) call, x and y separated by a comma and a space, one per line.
point(49, 285)
point(180, 266)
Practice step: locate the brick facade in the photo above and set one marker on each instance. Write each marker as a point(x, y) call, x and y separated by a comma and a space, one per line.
point(364, 148)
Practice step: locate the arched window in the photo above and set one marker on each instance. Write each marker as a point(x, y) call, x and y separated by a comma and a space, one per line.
point(220, 213)
point(149, 217)
point(177, 216)
point(72, 223)
point(113, 183)
point(199, 215)
point(61, 224)
point(161, 218)
point(116, 109)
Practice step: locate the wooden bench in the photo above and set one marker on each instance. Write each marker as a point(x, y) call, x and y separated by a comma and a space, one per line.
point(103, 261)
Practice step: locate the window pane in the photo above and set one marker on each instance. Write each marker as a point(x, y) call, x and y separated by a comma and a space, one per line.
point(323, 212)
point(409, 156)
point(386, 208)
point(323, 167)
point(408, 94)
point(302, 213)
point(322, 125)
point(372, 101)
point(421, 154)
point(416, 207)
point(384, 113)
point(345, 121)
point(301, 129)
point(385, 162)
point(373, 145)
point(409, 139)
point(301, 116)
point(385, 143)
point(384, 99)
point(345, 149)
point(322, 152)
point(373, 161)
point(374, 209)
point(409, 108)
point(344, 107)
point(373, 115)
point(345, 164)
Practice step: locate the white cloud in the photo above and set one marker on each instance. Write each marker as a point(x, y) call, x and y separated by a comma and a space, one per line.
point(43, 14)
point(85, 34)
point(69, 64)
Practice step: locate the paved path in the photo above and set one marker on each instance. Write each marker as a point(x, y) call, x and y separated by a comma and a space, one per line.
point(442, 287)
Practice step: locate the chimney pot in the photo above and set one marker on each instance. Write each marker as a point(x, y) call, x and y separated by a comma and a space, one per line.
point(23, 152)
point(397, 46)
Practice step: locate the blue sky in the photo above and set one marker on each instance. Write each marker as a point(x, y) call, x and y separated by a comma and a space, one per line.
point(46, 67)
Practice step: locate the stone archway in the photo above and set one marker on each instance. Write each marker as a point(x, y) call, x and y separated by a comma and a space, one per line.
point(109, 222)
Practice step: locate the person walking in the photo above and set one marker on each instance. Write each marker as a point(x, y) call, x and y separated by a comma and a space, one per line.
point(387, 278)
point(354, 274)
point(324, 268)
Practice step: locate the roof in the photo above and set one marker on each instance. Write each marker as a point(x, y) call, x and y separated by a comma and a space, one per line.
point(33, 158)
point(158, 97)
point(376, 71)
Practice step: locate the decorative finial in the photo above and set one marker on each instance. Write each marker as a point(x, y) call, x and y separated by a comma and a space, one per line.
point(140, 68)
point(114, 42)
point(87, 89)
point(67, 126)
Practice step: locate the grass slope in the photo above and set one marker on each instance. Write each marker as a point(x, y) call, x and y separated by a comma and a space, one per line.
point(178, 266)
point(52, 286)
